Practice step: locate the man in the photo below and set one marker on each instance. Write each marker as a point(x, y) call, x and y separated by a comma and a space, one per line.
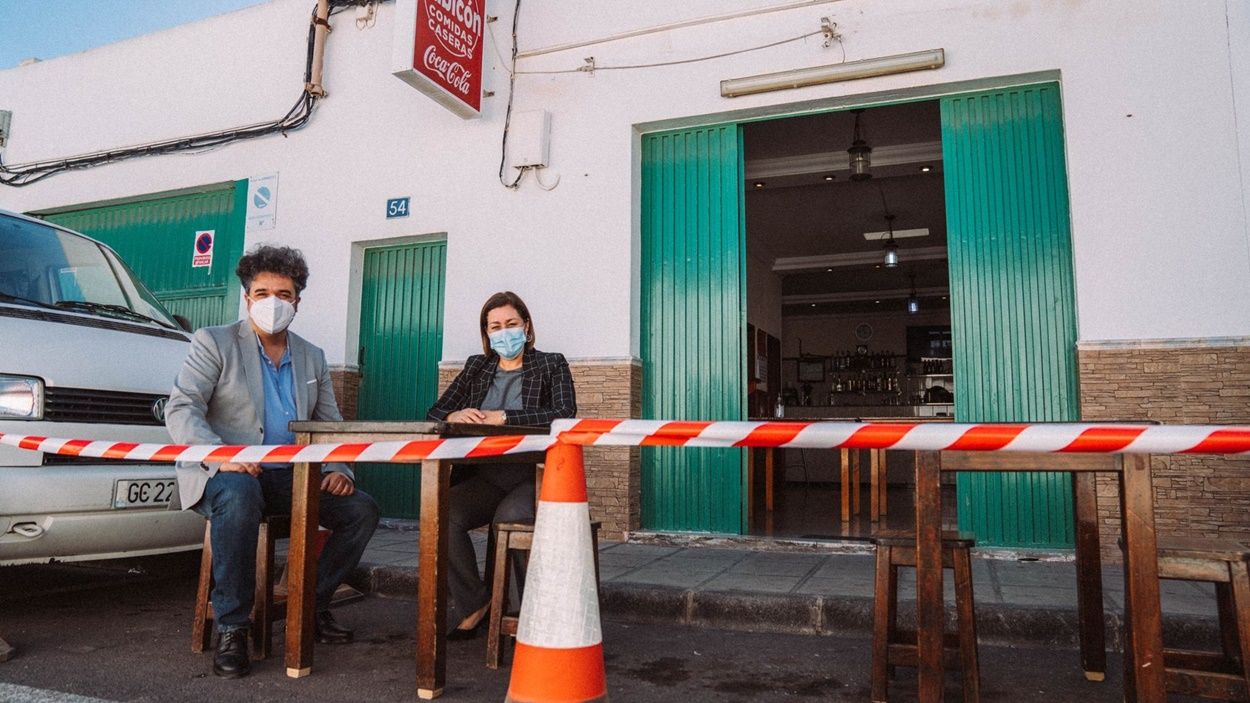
point(242, 384)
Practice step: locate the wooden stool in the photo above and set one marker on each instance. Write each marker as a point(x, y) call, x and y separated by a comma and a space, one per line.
point(265, 608)
point(1218, 675)
point(506, 538)
point(892, 647)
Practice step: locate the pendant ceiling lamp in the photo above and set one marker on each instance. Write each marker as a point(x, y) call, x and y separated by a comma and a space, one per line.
point(891, 247)
point(913, 302)
point(861, 153)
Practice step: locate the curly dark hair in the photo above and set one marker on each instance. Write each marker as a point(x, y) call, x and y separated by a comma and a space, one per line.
point(267, 258)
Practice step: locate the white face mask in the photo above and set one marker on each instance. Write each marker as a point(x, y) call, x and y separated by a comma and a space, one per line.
point(272, 315)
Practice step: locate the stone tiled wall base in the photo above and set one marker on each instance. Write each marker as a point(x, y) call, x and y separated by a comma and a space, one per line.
point(613, 474)
point(346, 390)
point(1195, 496)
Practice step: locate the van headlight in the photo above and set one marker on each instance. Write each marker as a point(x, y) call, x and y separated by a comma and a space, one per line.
point(21, 398)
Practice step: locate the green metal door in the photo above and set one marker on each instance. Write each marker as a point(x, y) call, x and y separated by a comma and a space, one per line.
point(156, 238)
point(1013, 311)
point(401, 340)
point(692, 322)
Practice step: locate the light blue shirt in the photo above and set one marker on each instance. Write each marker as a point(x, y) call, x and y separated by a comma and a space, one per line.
point(279, 384)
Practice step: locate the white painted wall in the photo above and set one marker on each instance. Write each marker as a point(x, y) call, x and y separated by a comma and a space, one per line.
point(1158, 205)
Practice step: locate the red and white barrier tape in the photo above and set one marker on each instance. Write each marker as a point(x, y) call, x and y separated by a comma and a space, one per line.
point(395, 452)
point(1023, 437)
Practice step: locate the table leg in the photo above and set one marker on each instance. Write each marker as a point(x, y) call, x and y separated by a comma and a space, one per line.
point(432, 580)
point(750, 488)
point(855, 456)
point(1089, 576)
point(1143, 655)
point(930, 605)
point(846, 485)
point(769, 459)
point(885, 483)
point(302, 568)
point(874, 485)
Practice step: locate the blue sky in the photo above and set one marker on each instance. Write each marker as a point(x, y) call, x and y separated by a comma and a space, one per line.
point(50, 28)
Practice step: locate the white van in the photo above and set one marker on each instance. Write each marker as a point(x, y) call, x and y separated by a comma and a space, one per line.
point(86, 352)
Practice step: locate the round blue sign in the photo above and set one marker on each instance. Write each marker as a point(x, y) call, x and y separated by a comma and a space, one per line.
point(262, 196)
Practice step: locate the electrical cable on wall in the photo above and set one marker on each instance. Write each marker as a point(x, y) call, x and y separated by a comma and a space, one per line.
point(294, 119)
point(828, 29)
point(507, 120)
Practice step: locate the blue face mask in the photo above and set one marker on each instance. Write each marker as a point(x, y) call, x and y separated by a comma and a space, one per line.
point(508, 343)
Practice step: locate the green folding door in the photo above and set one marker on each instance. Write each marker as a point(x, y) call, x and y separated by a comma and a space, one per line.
point(156, 238)
point(1013, 313)
point(692, 322)
point(401, 340)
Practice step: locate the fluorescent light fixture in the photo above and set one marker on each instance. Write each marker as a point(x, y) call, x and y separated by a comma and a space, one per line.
point(898, 234)
point(833, 73)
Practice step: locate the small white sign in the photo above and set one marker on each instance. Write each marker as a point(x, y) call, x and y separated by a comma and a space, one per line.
point(262, 203)
point(202, 253)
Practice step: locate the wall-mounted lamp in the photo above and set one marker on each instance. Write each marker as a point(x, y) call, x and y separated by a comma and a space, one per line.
point(833, 73)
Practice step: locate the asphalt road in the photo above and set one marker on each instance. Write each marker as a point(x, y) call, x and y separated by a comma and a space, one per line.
point(121, 632)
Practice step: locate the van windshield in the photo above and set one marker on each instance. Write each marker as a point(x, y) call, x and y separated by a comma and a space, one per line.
point(47, 267)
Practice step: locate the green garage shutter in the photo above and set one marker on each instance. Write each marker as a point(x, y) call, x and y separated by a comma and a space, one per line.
point(401, 340)
point(1013, 313)
point(156, 238)
point(692, 322)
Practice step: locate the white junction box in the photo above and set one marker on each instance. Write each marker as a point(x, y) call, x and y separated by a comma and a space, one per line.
point(529, 142)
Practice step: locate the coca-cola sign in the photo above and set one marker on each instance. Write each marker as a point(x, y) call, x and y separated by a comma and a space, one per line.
point(443, 41)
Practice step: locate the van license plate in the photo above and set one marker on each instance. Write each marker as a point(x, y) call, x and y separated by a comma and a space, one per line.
point(143, 493)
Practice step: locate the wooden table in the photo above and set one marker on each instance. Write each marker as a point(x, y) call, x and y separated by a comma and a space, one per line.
point(1143, 655)
point(432, 567)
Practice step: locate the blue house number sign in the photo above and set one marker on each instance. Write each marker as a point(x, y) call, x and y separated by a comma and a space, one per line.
point(397, 207)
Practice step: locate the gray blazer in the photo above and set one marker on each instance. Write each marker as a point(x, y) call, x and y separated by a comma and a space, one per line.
point(219, 398)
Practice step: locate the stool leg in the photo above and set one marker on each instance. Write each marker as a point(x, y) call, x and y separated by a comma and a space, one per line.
point(1229, 642)
point(594, 546)
point(498, 600)
point(1240, 578)
point(892, 615)
point(201, 633)
point(881, 627)
point(262, 615)
point(966, 612)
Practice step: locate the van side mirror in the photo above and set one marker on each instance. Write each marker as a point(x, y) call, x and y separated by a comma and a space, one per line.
point(184, 323)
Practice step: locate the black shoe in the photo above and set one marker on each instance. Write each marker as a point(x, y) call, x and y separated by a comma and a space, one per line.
point(474, 632)
point(328, 631)
point(231, 660)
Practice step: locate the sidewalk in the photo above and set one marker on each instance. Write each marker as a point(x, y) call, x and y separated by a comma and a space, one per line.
point(820, 590)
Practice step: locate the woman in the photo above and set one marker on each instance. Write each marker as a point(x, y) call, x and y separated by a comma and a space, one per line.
point(510, 383)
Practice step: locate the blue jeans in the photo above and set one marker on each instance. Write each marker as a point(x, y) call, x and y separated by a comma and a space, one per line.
point(234, 503)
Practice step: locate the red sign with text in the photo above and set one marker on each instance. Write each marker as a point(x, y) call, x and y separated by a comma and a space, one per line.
point(448, 49)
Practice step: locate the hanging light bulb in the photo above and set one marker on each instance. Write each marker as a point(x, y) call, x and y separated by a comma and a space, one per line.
point(913, 302)
point(861, 153)
point(891, 247)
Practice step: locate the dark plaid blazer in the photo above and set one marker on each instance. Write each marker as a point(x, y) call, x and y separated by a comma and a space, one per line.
point(546, 389)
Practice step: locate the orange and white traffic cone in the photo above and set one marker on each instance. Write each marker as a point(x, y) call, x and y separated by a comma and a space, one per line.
point(559, 643)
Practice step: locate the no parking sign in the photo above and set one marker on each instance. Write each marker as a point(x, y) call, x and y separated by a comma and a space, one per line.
point(203, 254)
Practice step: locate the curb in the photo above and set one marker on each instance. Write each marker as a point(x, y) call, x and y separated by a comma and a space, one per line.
point(787, 613)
